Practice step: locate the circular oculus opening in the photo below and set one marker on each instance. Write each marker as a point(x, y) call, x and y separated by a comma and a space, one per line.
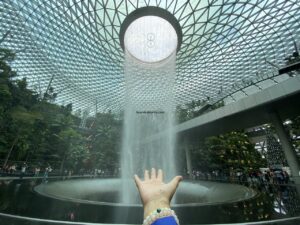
point(150, 39)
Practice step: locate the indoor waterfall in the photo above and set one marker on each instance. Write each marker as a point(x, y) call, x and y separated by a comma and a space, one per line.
point(148, 138)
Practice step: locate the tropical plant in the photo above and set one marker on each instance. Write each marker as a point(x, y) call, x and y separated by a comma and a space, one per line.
point(104, 141)
point(232, 150)
point(32, 127)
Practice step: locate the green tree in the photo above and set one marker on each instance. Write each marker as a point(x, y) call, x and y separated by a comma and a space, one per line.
point(228, 151)
point(32, 127)
point(201, 158)
point(194, 109)
point(104, 140)
point(71, 148)
point(16, 114)
point(234, 150)
point(295, 133)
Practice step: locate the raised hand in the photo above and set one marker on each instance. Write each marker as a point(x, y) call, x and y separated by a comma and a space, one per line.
point(154, 192)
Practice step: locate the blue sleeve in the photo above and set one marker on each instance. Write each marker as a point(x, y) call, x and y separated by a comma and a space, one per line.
point(170, 220)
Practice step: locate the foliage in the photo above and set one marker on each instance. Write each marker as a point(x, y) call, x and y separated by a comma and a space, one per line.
point(229, 151)
point(295, 132)
point(16, 114)
point(33, 127)
point(103, 141)
point(294, 58)
point(295, 126)
point(193, 109)
point(201, 159)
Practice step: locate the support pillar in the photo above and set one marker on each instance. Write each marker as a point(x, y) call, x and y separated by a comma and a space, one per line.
point(188, 159)
point(288, 148)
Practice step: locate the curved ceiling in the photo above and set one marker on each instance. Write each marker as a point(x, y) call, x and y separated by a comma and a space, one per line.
point(75, 43)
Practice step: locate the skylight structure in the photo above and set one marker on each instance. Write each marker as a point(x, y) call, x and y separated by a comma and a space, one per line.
point(75, 44)
point(150, 39)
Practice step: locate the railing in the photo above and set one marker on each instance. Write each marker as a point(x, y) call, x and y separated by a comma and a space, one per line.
point(283, 195)
point(8, 219)
point(31, 173)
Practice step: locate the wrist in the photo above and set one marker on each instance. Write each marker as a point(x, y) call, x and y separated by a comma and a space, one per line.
point(153, 205)
point(161, 216)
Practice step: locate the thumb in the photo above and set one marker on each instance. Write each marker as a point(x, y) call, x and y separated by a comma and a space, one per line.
point(137, 181)
point(175, 182)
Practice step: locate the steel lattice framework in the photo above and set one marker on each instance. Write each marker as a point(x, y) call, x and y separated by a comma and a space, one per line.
point(75, 43)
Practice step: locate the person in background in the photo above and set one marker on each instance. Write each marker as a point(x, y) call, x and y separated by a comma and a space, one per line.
point(156, 197)
point(23, 170)
point(13, 169)
point(37, 171)
point(48, 169)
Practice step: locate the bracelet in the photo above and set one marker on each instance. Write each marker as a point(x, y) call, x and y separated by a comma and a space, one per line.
point(160, 213)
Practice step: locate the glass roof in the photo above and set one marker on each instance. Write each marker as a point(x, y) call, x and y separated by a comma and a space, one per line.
point(75, 43)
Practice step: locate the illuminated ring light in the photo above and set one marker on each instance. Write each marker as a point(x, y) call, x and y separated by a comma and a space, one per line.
point(150, 34)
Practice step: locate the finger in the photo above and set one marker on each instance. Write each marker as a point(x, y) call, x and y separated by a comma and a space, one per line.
point(175, 182)
point(146, 175)
point(137, 180)
point(160, 175)
point(153, 174)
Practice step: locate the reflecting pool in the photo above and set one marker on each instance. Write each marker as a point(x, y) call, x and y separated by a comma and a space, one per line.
point(96, 201)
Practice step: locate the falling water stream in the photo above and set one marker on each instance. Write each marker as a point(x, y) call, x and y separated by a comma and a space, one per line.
point(148, 138)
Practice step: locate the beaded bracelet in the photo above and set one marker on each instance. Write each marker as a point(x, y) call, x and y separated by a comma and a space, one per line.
point(160, 213)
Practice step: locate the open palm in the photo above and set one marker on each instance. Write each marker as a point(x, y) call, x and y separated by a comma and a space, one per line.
point(154, 192)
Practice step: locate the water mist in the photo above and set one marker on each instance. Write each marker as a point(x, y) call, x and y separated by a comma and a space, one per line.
point(148, 138)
